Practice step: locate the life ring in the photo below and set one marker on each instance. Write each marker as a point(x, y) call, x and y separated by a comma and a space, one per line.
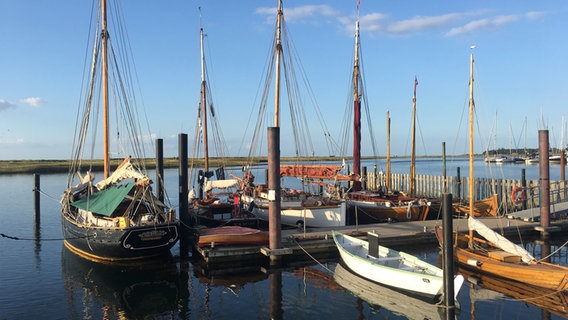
point(518, 195)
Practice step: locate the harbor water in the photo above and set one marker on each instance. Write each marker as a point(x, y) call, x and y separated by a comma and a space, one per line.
point(40, 279)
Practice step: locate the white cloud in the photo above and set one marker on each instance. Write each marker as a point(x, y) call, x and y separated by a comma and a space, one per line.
point(493, 23)
point(33, 101)
point(299, 14)
point(6, 105)
point(420, 23)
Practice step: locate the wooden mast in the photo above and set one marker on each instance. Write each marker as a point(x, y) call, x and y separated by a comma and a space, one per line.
point(277, 73)
point(356, 112)
point(204, 102)
point(471, 152)
point(387, 180)
point(104, 52)
point(413, 148)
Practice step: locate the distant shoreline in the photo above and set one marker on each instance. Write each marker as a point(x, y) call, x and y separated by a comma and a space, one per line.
point(62, 166)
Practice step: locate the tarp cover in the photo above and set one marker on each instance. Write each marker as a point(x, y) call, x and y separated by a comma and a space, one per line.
point(104, 202)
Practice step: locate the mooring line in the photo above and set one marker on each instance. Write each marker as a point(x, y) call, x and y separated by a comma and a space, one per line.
point(41, 239)
point(298, 244)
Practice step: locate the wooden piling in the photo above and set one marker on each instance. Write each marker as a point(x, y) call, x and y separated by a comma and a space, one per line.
point(160, 169)
point(183, 192)
point(274, 205)
point(36, 190)
point(448, 255)
point(544, 177)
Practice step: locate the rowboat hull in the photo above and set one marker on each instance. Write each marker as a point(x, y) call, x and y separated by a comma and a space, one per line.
point(232, 235)
point(392, 268)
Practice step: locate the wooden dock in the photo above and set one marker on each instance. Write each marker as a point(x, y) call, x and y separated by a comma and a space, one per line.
point(316, 244)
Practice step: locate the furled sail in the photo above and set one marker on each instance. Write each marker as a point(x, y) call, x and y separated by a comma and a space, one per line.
point(499, 240)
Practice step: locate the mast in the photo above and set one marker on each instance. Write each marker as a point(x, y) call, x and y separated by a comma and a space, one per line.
point(277, 73)
point(471, 158)
point(413, 152)
point(104, 52)
point(388, 151)
point(356, 110)
point(203, 100)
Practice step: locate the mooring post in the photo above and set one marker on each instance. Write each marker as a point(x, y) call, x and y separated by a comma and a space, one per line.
point(524, 186)
point(445, 179)
point(160, 169)
point(274, 205)
point(36, 190)
point(544, 181)
point(459, 184)
point(562, 165)
point(448, 255)
point(183, 192)
point(364, 178)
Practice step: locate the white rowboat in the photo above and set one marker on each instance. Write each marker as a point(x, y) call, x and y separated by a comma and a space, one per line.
point(392, 268)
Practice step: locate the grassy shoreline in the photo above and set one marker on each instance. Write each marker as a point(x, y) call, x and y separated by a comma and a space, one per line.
point(62, 166)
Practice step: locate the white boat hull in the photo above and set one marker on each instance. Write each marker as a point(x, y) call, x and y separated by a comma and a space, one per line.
point(392, 268)
point(295, 213)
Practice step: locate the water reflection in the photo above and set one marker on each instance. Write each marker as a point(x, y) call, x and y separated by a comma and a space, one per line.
point(137, 291)
point(379, 297)
point(487, 288)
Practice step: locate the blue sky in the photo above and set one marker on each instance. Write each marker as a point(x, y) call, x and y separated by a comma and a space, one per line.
point(521, 68)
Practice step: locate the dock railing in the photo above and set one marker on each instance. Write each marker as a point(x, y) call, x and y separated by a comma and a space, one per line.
point(433, 187)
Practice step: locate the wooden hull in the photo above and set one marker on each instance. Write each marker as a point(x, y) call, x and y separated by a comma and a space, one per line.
point(212, 216)
point(482, 208)
point(116, 244)
point(391, 268)
point(375, 207)
point(231, 235)
point(365, 212)
point(496, 262)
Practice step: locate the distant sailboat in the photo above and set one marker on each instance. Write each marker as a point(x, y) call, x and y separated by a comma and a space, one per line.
point(367, 206)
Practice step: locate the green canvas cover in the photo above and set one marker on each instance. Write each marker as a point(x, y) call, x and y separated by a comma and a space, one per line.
point(106, 201)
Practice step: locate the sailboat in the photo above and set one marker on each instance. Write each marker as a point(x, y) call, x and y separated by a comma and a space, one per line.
point(367, 206)
point(492, 253)
point(217, 202)
point(298, 207)
point(118, 217)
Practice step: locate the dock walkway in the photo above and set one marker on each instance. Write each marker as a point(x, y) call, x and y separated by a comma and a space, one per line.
point(557, 210)
point(300, 246)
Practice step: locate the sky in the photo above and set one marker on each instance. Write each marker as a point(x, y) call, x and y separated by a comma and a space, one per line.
point(520, 69)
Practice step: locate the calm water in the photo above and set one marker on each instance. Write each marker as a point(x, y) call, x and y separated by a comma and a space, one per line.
point(42, 280)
